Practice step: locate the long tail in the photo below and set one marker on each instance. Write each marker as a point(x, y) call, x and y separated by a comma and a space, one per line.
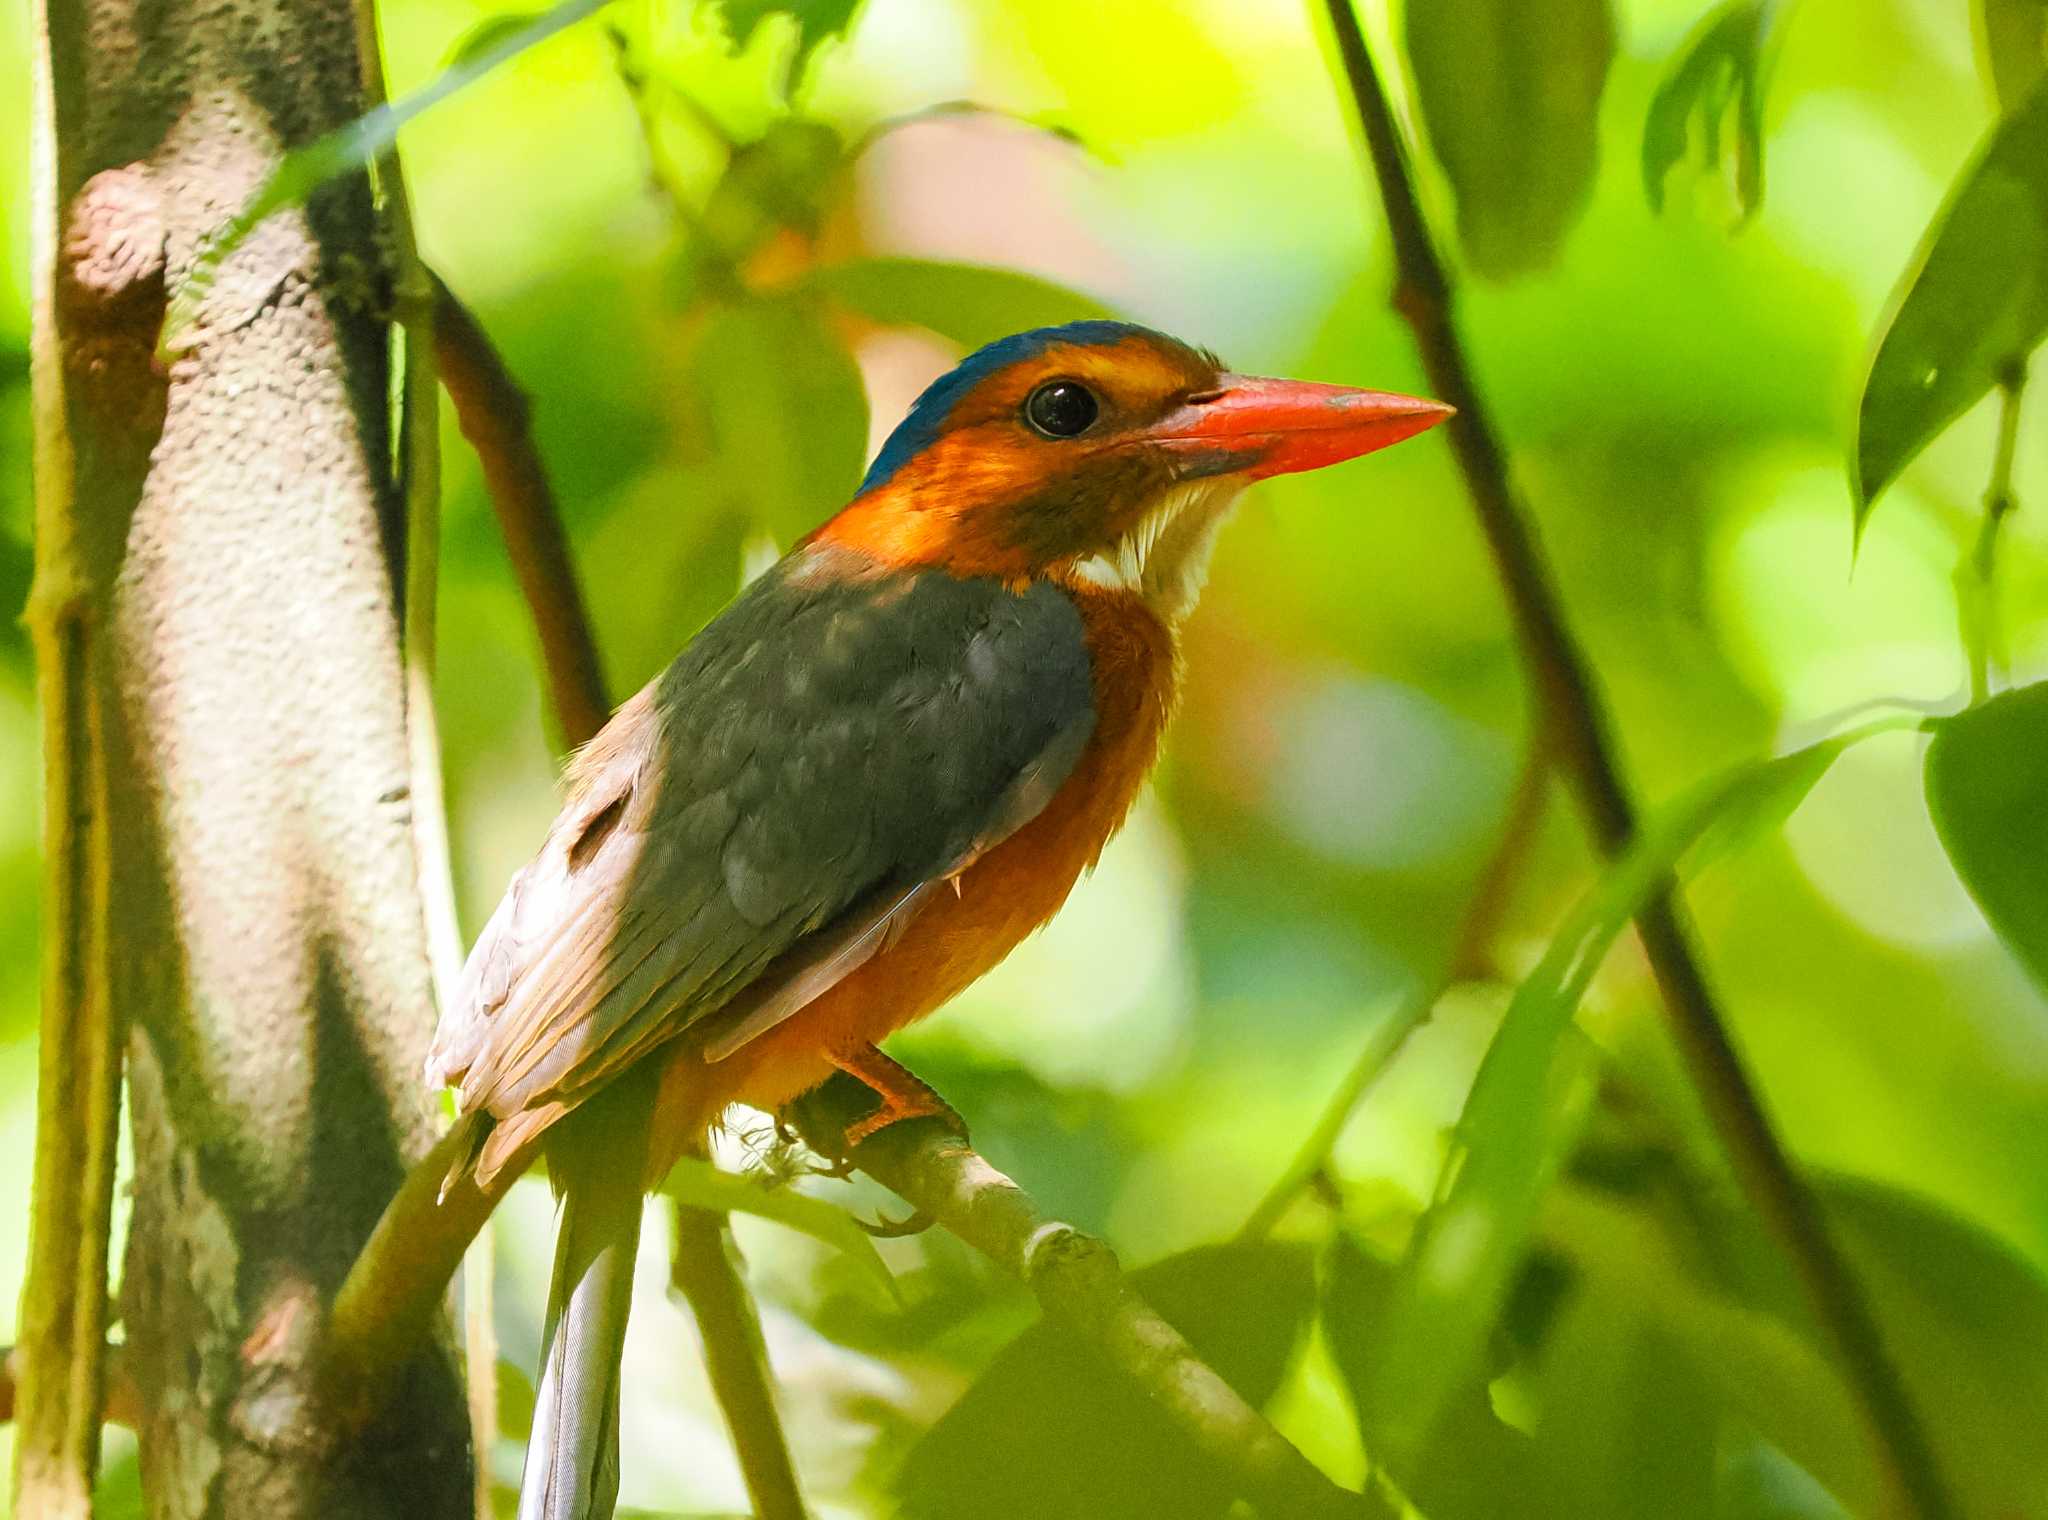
point(597, 1163)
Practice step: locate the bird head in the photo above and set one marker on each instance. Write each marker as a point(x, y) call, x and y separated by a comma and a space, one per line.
point(1102, 453)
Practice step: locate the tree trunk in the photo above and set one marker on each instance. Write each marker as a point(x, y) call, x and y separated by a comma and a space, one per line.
point(218, 618)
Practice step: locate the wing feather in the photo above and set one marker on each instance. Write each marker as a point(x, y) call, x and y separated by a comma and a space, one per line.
point(764, 818)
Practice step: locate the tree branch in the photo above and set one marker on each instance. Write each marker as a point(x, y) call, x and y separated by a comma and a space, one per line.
point(121, 1405)
point(387, 1303)
point(1576, 725)
point(1078, 1282)
point(97, 410)
point(494, 416)
point(735, 1358)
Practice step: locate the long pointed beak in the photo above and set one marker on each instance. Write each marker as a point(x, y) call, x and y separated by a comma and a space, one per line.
point(1264, 427)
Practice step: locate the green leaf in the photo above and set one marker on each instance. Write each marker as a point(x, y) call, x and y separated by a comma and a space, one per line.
point(1720, 74)
point(1050, 1432)
point(2012, 35)
point(816, 21)
point(705, 1186)
point(1973, 304)
point(1475, 1466)
point(1966, 1322)
point(1762, 1370)
point(971, 304)
point(1526, 1100)
point(1624, 1428)
point(304, 170)
point(785, 413)
point(1511, 101)
point(1987, 787)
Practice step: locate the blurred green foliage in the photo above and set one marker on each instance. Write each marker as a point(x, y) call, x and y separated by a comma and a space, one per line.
point(724, 245)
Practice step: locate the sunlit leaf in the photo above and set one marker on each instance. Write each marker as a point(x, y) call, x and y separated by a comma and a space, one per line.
point(1719, 77)
point(816, 21)
point(1987, 787)
point(1475, 1466)
point(971, 304)
point(705, 1186)
point(1511, 101)
point(1524, 1103)
point(2013, 37)
point(1049, 1432)
point(786, 413)
point(1973, 303)
point(304, 170)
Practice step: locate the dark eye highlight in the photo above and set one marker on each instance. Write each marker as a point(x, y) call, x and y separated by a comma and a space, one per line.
point(1061, 408)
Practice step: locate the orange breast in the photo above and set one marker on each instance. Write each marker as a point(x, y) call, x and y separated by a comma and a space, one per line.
point(1003, 896)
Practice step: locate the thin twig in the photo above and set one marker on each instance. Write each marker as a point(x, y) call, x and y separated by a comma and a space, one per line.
point(735, 1358)
point(1492, 891)
point(1976, 574)
point(1577, 728)
point(1079, 1284)
point(494, 416)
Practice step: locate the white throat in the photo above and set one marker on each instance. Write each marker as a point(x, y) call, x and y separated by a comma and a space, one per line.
point(1164, 558)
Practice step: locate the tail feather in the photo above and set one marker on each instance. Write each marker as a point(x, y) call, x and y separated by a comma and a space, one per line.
point(572, 1457)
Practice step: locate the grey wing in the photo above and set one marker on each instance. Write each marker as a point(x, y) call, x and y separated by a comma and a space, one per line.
point(784, 797)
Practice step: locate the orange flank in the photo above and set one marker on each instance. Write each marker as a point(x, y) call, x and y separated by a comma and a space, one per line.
point(1003, 897)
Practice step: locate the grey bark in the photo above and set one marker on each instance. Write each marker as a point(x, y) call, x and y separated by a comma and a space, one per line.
point(238, 528)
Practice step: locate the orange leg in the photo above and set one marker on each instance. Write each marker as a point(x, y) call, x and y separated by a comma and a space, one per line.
point(903, 1094)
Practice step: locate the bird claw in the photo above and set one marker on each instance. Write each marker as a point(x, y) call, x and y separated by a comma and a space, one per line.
point(916, 1222)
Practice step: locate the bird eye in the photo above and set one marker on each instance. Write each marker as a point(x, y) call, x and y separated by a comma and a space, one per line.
point(1061, 408)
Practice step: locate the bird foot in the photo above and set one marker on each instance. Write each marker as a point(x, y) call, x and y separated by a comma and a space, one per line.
point(916, 1222)
point(900, 1096)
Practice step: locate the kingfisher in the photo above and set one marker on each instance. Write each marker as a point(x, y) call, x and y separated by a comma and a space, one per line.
point(884, 764)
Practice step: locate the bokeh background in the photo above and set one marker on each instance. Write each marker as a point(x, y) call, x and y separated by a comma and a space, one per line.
point(712, 306)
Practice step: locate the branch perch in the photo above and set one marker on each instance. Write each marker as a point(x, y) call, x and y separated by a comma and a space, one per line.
point(1576, 726)
point(1078, 1282)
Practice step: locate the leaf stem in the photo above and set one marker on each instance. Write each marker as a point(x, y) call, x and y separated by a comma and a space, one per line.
point(1576, 724)
point(1976, 575)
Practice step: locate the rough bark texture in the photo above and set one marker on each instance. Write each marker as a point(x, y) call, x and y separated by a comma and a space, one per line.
point(231, 626)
